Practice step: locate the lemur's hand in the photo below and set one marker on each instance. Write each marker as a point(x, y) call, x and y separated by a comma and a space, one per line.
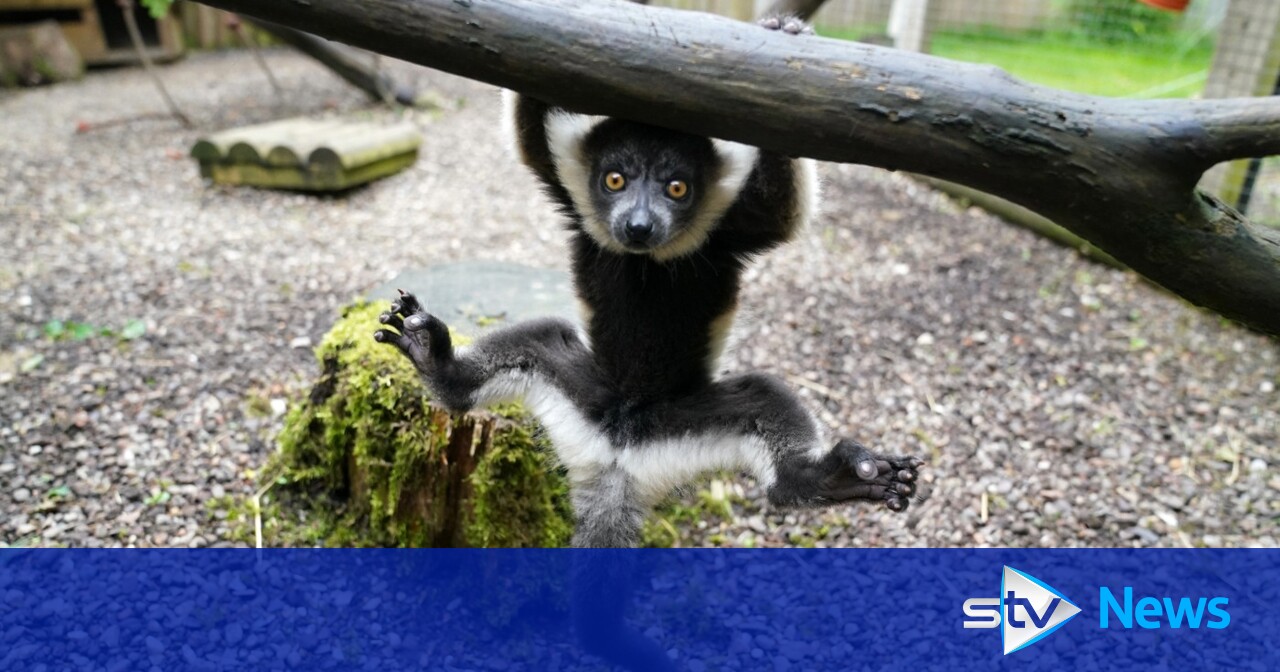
point(422, 337)
point(887, 478)
point(792, 25)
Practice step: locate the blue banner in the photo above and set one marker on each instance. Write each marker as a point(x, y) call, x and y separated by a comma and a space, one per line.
point(697, 610)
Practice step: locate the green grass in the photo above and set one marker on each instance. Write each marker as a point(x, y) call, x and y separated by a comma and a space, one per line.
point(1148, 67)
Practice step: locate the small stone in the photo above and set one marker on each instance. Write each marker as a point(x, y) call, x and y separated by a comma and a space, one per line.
point(21, 495)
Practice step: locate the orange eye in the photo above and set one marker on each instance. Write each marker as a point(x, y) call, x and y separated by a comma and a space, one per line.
point(677, 189)
point(615, 181)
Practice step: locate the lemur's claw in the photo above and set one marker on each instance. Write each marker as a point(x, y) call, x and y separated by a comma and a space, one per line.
point(405, 319)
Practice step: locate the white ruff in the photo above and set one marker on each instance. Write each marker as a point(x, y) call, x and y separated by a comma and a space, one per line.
point(736, 163)
point(566, 132)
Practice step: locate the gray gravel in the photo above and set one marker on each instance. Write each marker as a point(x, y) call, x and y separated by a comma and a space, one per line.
point(1060, 402)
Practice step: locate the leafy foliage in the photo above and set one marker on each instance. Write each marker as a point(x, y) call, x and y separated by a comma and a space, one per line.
point(157, 8)
point(1116, 21)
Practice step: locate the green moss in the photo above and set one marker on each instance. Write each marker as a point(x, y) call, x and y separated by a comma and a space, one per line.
point(367, 460)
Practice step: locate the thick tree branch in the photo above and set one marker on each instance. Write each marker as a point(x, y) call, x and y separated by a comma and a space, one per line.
point(1119, 173)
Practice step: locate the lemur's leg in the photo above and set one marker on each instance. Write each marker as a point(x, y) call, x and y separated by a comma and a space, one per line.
point(780, 441)
point(500, 366)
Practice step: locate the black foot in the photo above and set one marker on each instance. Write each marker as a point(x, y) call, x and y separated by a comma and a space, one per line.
point(422, 337)
point(887, 478)
point(792, 25)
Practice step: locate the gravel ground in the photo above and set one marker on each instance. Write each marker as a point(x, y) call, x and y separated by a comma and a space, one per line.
point(1061, 403)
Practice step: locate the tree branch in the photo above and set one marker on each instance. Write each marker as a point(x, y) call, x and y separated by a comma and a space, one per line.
point(343, 62)
point(1118, 173)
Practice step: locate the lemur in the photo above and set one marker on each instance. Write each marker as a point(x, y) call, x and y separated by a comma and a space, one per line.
point(661, 224)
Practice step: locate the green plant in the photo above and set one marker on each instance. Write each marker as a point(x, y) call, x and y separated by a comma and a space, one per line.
point(1114, 21)
point(157, 8)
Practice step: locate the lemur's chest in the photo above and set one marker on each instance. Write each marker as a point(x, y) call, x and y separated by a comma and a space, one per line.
point(655, 327)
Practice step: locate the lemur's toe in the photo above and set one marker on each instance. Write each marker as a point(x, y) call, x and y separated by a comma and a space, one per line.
point(406, 304)
point(896, 504)
point(792, 25)
point(392, 319)
point(906, 475)
point(796, 27)
point(389, 337)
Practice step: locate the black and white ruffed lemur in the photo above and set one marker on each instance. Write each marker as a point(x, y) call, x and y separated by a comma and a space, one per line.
point(662, 224)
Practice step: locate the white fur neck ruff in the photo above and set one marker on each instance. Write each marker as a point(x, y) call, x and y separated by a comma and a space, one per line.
point(566, 132)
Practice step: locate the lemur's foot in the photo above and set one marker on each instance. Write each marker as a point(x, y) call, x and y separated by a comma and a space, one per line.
point(792, 25)
point(887, 478)
point(422, 337)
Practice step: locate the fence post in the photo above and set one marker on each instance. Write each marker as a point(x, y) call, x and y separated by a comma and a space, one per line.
point(1246, 63)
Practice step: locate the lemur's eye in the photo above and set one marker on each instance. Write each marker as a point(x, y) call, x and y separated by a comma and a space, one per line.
point(615, 181)
point(677, 189)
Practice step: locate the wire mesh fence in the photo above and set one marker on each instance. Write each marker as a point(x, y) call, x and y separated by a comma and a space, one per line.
point(1122, 48)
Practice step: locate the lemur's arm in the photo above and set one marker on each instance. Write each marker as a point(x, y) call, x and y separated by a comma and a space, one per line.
point(781, 193)
point(530, 118)
point(499, 366)
point(779, 197)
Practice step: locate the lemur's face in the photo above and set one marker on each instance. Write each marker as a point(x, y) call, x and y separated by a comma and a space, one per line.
point(647, 183)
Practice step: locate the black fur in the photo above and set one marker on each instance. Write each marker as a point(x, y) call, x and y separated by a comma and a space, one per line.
point(646, 374)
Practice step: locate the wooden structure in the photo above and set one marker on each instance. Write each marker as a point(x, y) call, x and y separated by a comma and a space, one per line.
point(37, 53)
point(96, 28)
point(307, 154)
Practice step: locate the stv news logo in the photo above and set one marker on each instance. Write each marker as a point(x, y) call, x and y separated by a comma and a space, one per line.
point(1027, 610)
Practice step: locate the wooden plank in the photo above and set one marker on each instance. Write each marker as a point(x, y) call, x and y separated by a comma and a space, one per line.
point(308, 154)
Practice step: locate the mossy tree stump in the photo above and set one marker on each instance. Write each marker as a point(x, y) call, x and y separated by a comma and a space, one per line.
point(368, 460)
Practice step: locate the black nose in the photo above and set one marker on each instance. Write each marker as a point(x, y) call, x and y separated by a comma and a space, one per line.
point(639, 229)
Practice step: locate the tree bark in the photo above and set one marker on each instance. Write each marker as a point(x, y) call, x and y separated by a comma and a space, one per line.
point(342, 62)
point(1119, 173)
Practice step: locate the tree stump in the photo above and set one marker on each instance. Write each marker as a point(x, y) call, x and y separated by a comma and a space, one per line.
point(368, 460)
point(37, 53)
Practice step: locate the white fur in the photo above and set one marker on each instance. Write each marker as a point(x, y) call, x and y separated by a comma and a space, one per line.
point(566, 132)
point(510, 134)
point(808, 192)
point(736, 161)
point(661, 466)
point(657, 467)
